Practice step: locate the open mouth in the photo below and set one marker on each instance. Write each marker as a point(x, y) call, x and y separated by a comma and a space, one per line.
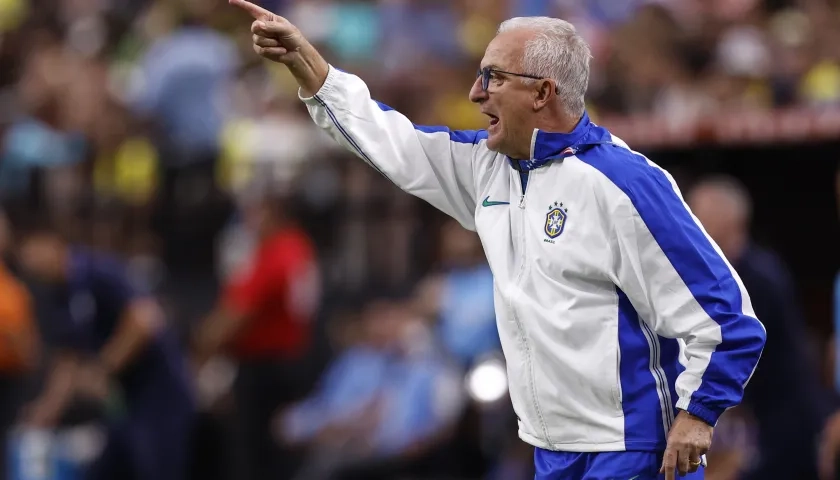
point(493, 119)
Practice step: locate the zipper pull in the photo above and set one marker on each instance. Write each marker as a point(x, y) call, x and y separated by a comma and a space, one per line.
point(522, 201)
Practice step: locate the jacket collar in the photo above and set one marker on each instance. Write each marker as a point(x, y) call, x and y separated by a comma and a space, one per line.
point(547, 146)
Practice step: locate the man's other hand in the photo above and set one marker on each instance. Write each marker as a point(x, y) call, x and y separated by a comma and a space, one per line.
point(829, 448)
point(92, 381)
point(274, 37)
point(689, 439)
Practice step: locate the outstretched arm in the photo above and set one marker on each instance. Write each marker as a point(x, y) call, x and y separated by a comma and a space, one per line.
point(432, 163)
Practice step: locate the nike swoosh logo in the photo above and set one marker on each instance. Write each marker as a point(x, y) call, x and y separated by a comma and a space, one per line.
point(488, 203)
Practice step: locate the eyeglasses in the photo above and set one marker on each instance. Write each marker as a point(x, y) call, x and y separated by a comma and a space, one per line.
point(487, 72)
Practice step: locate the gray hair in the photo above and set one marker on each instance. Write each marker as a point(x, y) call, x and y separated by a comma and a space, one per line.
point(557, 52)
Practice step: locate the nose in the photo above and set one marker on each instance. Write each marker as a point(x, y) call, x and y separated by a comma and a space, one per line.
point(477, 94)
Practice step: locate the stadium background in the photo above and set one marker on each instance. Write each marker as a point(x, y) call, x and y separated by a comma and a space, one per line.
point(139, 126)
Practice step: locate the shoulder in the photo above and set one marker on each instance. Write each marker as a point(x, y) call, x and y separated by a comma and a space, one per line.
point(624, 175)
point(103, 274)
point(461, 137)
point(623, 167)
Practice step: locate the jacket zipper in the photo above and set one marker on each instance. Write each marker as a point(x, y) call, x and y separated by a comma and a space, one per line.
point(525, 181)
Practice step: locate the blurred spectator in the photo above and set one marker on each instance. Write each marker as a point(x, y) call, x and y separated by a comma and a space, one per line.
point(181, 88)
point(264, 320)
point(112, 340)
point(384, 406)
point(830, 446)
point(19, 347)
point(460, 297)
point(786, 378)
point(42, 133)
point(19, 343)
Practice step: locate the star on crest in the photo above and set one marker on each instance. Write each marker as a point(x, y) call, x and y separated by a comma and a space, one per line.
point(558, 204)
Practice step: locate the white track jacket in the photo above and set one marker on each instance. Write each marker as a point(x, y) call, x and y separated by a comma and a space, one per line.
point(614, 307)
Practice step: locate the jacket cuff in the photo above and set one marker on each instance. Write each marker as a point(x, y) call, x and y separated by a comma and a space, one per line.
point(326, 88)
point(707, 415)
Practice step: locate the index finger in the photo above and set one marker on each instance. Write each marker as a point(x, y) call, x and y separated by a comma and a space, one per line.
point(255, 11)
point(669, 464)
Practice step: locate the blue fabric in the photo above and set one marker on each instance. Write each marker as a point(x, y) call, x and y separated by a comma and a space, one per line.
point(349, 385)
point(645, 425)
point(152, 442)
point(30, 143)
point(467, 314)
point(97, 295)
point(185, 88)
point(88, 310)
point(702, 269)
point(610, 12)
point(669, 352)
point(409, 404)
point(405, 386)
point(30, 452)
point(837, 331)
point(416, 31)
point(550, 146)
point(601, 466)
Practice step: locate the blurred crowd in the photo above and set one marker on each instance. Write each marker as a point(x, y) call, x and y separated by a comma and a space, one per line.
point(244, 300)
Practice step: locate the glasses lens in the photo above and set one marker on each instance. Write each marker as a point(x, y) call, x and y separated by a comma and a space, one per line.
point(485, 78)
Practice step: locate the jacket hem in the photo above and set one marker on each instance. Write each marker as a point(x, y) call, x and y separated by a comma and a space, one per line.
point(619, 446)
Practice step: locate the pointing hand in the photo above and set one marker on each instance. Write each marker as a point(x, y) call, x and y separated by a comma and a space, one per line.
point(274, 37)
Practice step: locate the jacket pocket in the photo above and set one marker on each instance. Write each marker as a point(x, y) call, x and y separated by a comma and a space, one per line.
point(617, 393)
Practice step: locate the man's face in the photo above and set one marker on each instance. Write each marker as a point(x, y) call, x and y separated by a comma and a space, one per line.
point(508, 101)
point(41, 257)
point(720, 217)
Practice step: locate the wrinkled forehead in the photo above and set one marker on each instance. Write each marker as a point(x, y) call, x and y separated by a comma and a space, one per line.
point(505, 51)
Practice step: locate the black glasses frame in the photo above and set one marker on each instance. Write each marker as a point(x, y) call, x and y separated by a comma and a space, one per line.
point(486, 72)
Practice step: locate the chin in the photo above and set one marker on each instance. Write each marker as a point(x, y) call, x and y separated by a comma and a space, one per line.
point(494, 143)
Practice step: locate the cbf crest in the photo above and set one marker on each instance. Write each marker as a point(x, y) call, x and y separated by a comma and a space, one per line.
point(555, 221)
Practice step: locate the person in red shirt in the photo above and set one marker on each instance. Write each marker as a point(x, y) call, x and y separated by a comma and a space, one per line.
point(264, 321)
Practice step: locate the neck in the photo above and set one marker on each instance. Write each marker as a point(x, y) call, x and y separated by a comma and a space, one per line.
point(550, 122)
point(558, 123)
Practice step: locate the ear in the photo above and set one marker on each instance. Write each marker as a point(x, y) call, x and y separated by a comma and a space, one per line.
point(545, 93)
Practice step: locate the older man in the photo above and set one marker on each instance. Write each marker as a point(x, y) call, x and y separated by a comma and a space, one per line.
point(626, 332)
